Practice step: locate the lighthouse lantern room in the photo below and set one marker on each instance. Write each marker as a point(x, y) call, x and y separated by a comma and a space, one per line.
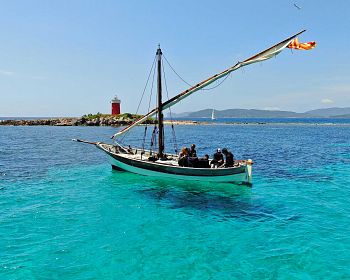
point(115, 106)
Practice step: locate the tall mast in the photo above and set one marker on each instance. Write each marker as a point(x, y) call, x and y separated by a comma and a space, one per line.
point(264, 55)
point(160, 105)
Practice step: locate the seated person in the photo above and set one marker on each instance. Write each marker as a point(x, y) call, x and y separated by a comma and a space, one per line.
point(193, 152)
point(130, 150)
point(193, 161)
point(229, 157)
point(203, 162)
point(153, 158)
point(218, 159)
point(183, 157)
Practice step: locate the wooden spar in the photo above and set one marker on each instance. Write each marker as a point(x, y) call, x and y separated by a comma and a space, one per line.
point(172, 101)
point(86, 142)
point(160, 105)
point(286, 40)
point(211, 79)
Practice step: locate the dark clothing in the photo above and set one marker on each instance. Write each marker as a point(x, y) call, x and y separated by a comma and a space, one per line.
point(153, 158)
point(218, 156)
point(183, 161)
point(203, 163)
point(193, 153)
point(229, 159)
point(193, 161)
point(218, 159)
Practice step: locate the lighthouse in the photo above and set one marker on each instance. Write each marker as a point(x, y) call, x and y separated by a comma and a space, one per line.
point(115, 106)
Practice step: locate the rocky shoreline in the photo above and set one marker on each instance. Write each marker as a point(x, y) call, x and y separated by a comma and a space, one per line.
point(123, 121)
point(100, 121)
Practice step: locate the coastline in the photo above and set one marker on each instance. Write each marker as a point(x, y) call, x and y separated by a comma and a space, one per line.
point(82, 121)
point(122, 121)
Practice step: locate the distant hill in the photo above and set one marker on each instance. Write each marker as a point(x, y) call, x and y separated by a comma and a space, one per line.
point(346, 116)
point(244, 113)
point(241, 113)
point(329, 112)
point(255, 113)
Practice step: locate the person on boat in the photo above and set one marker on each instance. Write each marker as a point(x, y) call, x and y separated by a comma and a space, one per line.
point(203, 162)
point(229, 157)
point(192, 156)
point(218, 159)
point(183, 157)
point(129, 150)
point(193, 152)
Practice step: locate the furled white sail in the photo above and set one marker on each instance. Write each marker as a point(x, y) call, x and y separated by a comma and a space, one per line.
point(264, 55)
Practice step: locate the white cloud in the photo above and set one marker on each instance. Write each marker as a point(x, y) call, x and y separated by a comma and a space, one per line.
point(272, 108)
point(10, 73)
point(6, 73)
point(327, 101)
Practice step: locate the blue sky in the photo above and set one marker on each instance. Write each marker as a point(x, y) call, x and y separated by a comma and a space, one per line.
point(68, 58)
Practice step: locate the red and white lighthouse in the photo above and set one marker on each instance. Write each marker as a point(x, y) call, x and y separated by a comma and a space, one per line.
point(115, 106)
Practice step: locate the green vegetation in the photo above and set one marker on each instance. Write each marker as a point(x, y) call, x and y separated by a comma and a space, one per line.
point(100, 115)
point(121, 117)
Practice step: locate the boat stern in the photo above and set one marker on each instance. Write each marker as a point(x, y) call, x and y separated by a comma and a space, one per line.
point(249, 171)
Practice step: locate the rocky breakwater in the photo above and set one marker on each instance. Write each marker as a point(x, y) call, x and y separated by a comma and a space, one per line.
point(121, 120)
point(87, 120)
point(51, 122)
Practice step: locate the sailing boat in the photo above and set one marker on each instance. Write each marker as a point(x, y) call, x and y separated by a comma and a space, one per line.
point(160, 164)
point(213, 115)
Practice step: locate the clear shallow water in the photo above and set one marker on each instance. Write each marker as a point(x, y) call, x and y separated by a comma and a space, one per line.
point(64, 214)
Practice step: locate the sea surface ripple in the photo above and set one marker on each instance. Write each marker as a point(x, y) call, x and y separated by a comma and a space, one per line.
point(64, 214)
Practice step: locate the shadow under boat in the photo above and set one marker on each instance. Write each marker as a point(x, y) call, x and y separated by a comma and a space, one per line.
point(222, 201)
point(233, 204)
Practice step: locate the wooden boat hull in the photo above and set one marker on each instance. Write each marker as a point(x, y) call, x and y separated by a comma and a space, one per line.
point(239, 174)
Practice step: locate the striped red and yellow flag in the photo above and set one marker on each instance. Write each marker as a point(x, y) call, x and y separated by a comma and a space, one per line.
point(301, 46)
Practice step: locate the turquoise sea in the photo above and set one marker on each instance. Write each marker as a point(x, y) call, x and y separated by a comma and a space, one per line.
point(64, 214)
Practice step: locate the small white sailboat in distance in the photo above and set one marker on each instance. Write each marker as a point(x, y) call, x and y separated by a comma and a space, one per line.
point(213, 115)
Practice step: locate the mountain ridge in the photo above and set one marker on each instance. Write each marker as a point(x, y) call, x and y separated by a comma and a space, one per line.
point(259, 113)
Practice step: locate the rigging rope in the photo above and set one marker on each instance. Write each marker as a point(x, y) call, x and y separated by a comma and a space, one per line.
point(153, 69)
point(153, 140)
point(149, 106)
point(172, 68)
point(176, 72)
point(171, 117)
point(144, 89)
point(143, 140)
point(150, 97)
point(143, 93)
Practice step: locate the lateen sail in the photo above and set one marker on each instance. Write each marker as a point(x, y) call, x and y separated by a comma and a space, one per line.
point(264, 55)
